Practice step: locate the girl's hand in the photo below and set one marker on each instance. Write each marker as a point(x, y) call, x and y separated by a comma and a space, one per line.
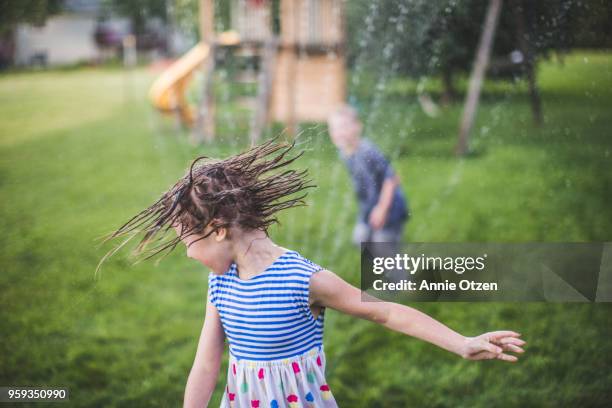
point(492, 345)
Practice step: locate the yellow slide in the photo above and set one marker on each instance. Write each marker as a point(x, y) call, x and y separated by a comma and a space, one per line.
point(168, 91)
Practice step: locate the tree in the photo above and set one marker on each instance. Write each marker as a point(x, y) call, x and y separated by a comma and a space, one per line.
point(441, 37)
point(478, 73)
point(591, 25)
point(139, 11)
point(528, 58)
point(26, 11)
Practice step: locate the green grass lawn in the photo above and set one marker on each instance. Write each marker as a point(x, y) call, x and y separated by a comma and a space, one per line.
point(81, 152)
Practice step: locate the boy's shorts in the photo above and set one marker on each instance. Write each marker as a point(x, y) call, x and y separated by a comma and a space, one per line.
point(365, 233)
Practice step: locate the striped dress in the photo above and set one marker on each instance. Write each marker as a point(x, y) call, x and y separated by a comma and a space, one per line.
point(276, 355)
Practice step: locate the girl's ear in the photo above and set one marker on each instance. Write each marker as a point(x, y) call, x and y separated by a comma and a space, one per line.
point(220, 234)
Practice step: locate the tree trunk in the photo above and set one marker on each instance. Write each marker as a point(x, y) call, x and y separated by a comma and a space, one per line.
point(529, 63)
point(477, 76)
point(450, 94)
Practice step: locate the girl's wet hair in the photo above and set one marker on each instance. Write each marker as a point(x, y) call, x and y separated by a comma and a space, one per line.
point(234, 192)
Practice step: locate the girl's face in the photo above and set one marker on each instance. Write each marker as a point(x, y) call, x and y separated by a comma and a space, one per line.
point(214, 251)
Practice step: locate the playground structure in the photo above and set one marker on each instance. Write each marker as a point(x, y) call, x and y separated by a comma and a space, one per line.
point(301, 68)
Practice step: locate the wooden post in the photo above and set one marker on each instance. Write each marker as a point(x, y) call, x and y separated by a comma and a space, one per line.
point(204, 130)
point(266, 74)
point(477, 76)
point(205, 125)
point(292, 123)
point(207, 21)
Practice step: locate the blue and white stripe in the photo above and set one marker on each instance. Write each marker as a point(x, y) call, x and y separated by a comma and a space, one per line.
point(268, 316)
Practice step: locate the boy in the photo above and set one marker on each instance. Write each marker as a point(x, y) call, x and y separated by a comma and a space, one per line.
point(383, 208)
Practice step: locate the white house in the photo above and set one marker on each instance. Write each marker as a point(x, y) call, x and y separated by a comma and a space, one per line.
point(65, 38)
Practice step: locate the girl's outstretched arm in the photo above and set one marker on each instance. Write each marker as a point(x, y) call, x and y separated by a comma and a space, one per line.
point(329, 290)
point(203, 376)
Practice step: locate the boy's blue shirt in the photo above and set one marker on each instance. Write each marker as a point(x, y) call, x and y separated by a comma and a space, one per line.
point(369, 168)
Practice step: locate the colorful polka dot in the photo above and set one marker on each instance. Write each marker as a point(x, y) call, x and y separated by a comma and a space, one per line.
point(302, 391)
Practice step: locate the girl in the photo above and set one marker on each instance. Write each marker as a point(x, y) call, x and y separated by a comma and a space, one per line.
point(267, 300)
